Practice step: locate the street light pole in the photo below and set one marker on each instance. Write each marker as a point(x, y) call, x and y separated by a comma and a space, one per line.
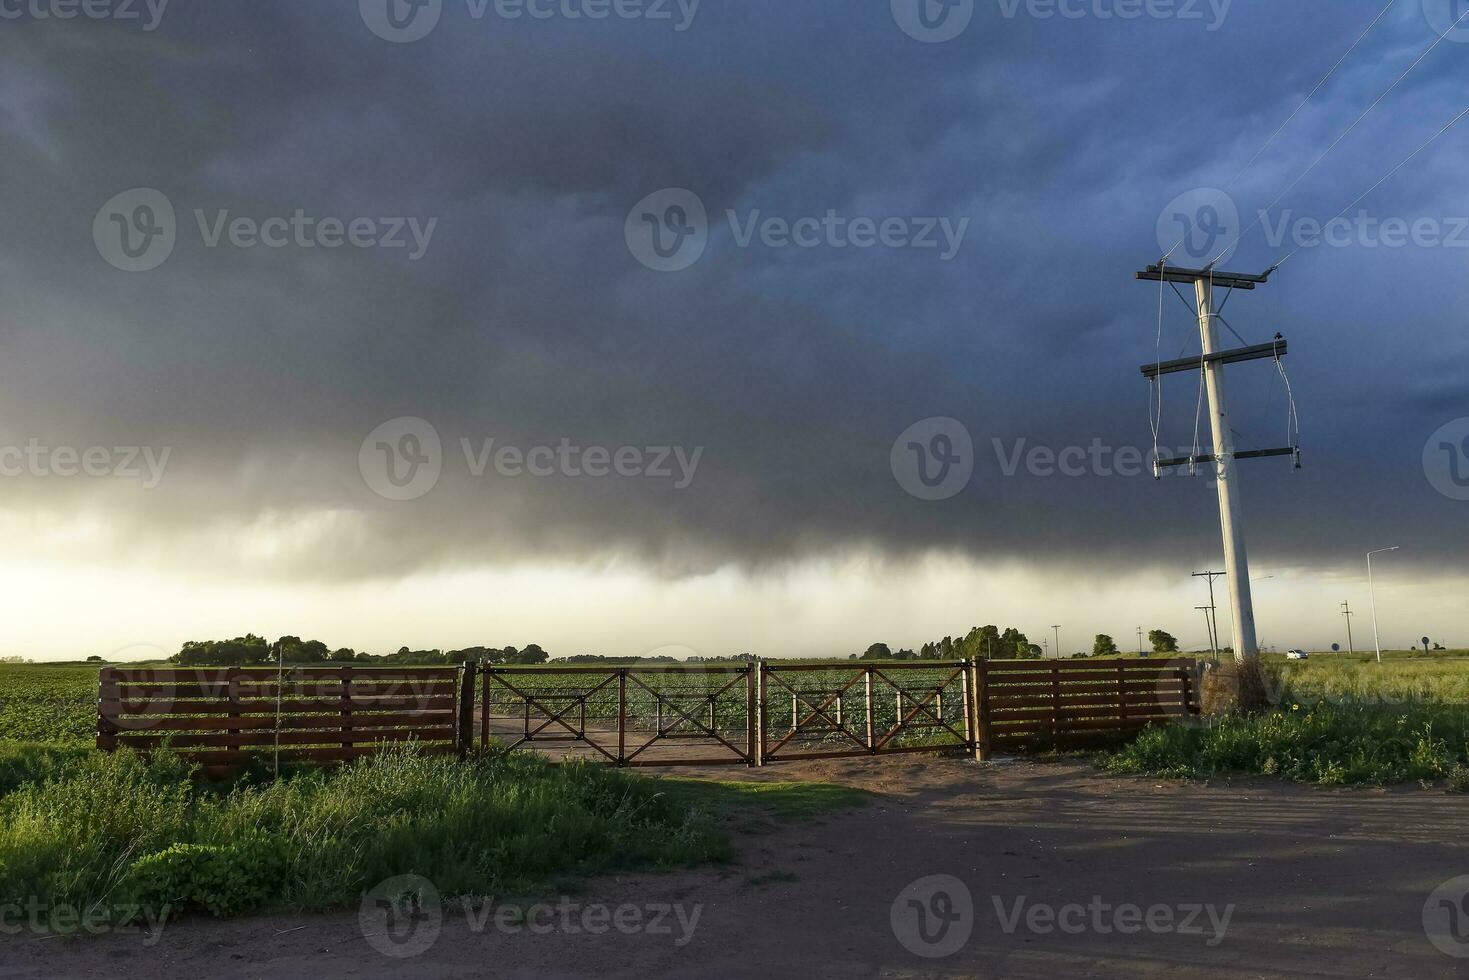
point(1377, 641)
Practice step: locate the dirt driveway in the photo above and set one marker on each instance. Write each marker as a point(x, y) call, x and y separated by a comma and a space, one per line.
point(1060, 872)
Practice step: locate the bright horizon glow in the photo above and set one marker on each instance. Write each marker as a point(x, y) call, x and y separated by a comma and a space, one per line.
point(820, 607)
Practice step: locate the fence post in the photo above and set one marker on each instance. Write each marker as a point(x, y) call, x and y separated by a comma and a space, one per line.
point(107, 690)
point(979, 685)
point(484, 707)
point(622, 716)
point(752, 725)
point(1056, 706)
point(871, 732)
point(1122, 693)
point(968, 707)
point(346, 707)
point(762, 715)
point(466, 708)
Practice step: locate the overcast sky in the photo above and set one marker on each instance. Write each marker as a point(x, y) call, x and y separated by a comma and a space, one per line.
point(273, 275)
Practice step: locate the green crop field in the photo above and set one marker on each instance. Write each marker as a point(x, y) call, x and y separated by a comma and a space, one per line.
point(48, 702)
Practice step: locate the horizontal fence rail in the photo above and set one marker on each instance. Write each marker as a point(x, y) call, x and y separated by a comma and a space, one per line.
point(225, 718)
point(1037, 704)
point(745, 714)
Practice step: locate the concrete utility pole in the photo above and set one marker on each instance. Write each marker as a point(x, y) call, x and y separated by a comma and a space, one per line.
point(1346, 610)
point(1372, 592)
point(1139, 641)
point(1231, 517)
point(1058, 641)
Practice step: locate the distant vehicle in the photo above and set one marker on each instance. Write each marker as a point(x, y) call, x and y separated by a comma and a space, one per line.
point(1296, 655)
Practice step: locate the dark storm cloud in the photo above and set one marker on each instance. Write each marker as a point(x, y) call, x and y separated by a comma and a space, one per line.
point(527, 319)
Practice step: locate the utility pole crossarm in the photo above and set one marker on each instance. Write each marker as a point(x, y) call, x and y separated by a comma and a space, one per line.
point(1229, 280)
point(1279, 348)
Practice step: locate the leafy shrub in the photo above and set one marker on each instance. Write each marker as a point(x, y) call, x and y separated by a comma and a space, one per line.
point(1329, 744)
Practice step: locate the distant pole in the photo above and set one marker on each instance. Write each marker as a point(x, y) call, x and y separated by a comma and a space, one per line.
point(1376, 640)
point(1058, 641)
point(1139, 641)
point(1209, 627)
point(1346, 610)
point(1213, 612)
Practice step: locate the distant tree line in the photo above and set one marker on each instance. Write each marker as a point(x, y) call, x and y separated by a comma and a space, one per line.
point(252, 650)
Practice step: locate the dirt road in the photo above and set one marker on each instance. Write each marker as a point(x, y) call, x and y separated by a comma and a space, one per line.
point(1049, 870)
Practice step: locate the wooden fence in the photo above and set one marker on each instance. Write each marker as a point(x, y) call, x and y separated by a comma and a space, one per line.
point(228, 717)
point(642, 715)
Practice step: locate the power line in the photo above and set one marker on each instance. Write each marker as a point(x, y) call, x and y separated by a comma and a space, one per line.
point(1382, 13)
point(1385, 178)
point(1324, 79)
point(1336, 142)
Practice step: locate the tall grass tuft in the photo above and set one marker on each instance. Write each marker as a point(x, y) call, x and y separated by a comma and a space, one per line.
point(106, 831)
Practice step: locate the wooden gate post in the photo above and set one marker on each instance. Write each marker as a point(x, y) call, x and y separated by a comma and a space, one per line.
point(622, 716)
point(979, 686)
point(752, 726)
point(762, 716)
point(466, 709)
point(871, 733)
point(968, 704)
